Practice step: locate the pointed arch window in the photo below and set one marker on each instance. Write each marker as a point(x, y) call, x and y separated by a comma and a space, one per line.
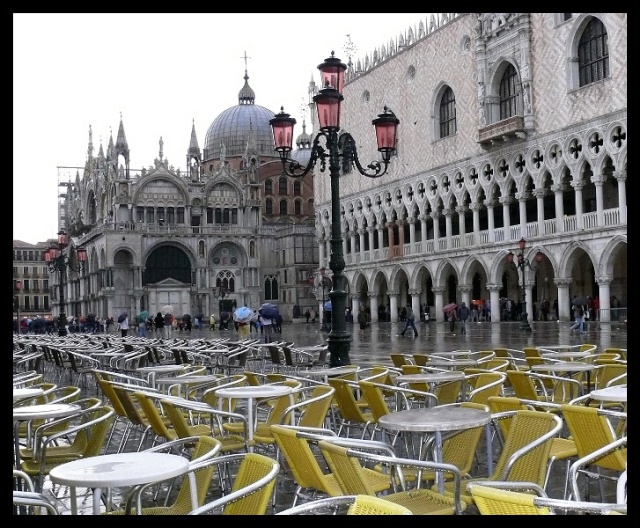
point(297, 207)
point(509, 93)
point(593, 53)
point(448, 124)
point(268, 206)
point(297, 188)
point(270, 288)
point(283, 207)
point(268, 187)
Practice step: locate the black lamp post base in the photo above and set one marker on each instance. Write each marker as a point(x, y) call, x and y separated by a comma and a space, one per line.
point(339, 348)
point(524, 323)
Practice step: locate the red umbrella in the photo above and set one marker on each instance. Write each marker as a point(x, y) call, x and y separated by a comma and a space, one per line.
point(477, 302)
point(449, 307)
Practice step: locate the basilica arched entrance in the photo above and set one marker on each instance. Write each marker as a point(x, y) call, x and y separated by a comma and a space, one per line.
point(167, 278)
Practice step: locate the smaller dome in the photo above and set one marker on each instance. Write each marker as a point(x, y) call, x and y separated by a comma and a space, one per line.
point(303, 142)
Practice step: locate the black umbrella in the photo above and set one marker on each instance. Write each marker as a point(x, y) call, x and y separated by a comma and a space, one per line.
point(579, 300)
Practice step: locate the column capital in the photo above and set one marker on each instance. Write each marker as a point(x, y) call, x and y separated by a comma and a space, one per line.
point(423, 217)
point(438, 290)
point(523, 196)
point(505, 200)
point(415, 292)
point(475, 206)
point(464, 288)
point(562, 282)
point(604, 279)
point(461, 209)
point(558, 188)
point(598, 179)
point(620, 175)
point(493, 287)
point(447, 212)
point(372, 294)
point(392, 293)
point(577, 185)
point(538, 193)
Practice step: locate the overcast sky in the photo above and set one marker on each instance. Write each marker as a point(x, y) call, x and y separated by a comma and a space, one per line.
point(162, 72)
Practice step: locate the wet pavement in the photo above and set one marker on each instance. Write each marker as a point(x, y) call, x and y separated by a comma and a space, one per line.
point(382, 339)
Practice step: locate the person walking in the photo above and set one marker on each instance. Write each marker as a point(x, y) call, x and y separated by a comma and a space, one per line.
point(452, 321)
point(463, 315)
point(410, 321)
point(168, 325)
point(267, 328)
point(124, 326)
point(212, 321)
point(142, 327)
point(307, 315)
point(159, 324)
point(578, 313)
point(362, 320)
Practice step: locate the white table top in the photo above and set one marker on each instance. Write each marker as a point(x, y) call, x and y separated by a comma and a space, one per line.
point(566, 366)
point(48, 410)
point(335, 371)
point(432, 419)
point(451, 363)
point(184, 380)
point(162, 368)
point(254, 391)
point(19, 394)
point(430, 377)
point(119, 469)
point(616, 393)
point(565, 355)
point(452, 353)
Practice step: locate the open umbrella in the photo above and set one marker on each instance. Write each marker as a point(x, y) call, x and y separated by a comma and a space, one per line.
point(269, 310)
point(166, 309)
point(579, 300)
point(243, 314)
point(122, 317)
point(144, 314)
point(477, 302)
point(327, 306)
point(449, 307)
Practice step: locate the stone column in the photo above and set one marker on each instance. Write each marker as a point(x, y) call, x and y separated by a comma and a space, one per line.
point(564, 302)
point(423, 228)
point(355, 305)
point(415, 303)
point(354, 249)
point(327, 250)
point(465, 290)
point(621, 176)
point(539, 194)
point(380, 237)
point(412, 232)
point(505, 201)
point(598, 181)
point(494, 299)
point(373, 306)
point(321, 255)
point(522, 205)
point(461, 224)
point(557, 194)
point(475, 209)
point(437, 292)
point(393, 305)
point(436, 230)
point(577, 187)
point(390, 237)
point(370, 231)
point(604, 298)
point(448, 213)
point(361, 234)
point(490, 204)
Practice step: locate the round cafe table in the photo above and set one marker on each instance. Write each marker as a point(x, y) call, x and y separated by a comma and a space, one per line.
point(433, 378)
point(616, 393)
point(565, 355)
point(566, 367)
point(327, 373)
point(181, 381)
point(28, 392)
point(251, 393)
point(451, 363)
point(152, 372)
point(436, 420)
point(118, 470)
point(38, 412)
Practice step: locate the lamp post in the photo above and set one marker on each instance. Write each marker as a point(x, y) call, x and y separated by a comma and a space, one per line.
point(59, 260)
point(339, 150)
point(16, 302)
point(521, 264)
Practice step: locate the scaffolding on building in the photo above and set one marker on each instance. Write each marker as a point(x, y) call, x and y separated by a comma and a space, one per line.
point(66, 177)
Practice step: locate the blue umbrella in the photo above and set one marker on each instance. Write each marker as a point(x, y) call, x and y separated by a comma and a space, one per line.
point(269, 310)
point(327, 306)
point(243, 313)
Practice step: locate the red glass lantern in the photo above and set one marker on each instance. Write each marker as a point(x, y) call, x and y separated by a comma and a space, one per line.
point(328, 106)
point(63, 239)
point(386, 125)
point(282, 126)
point(332, 73)
point(81, 253)
point(522, 244)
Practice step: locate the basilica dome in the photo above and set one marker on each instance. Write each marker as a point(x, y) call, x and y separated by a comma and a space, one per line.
point(235, 125)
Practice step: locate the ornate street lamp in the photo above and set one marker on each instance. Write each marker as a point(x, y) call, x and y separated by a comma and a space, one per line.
point(521, 264)
point(59, 260)
point(16, 301)
point(339, 150)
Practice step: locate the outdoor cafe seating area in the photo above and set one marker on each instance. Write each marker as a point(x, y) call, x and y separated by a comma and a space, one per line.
point(111, 425)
